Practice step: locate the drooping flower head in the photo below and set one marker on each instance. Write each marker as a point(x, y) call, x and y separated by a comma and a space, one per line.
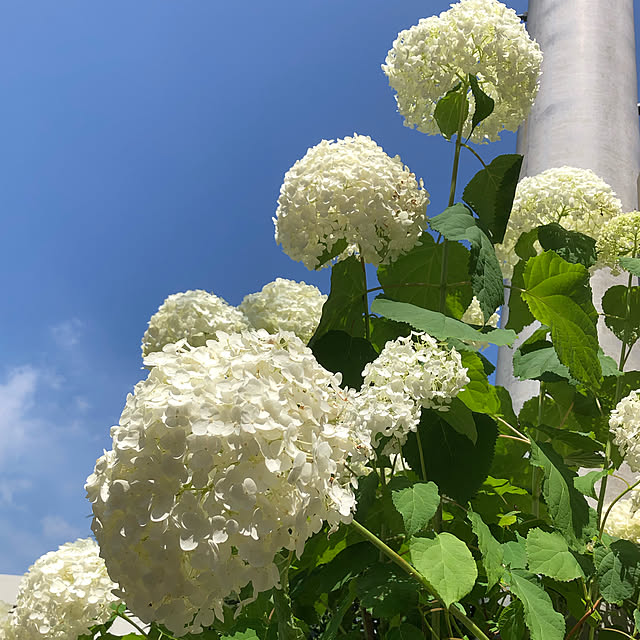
point(624, 424)
point(483, 38)
point(410, 373)
point(619, 237)
point(624, 521)
point(194, 316)
point(575, 198)
point(64, 593)
point(224, 455)
point(285, 305)
point(349, 196)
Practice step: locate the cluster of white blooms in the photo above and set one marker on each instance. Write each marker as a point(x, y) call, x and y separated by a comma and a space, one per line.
point(619, 237)
point(624, 521)
point(349, 193)
point(483, 38)
point(64, 593)
point(624, 424)
point(285, 305)
point(7, 629)
point(410, 373)
point(575, 198)
point(224, 455)
point(474, 315)
point(194, 316)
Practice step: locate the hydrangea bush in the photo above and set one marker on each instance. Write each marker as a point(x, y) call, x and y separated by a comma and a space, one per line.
point(343, 467)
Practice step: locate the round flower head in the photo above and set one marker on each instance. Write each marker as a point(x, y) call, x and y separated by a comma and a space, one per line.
point(349, 197)
point(624, 424)
point(624, 521)
point(410, 373)
point(619, 237)
point(575, 198)
point(63, 594)
point(224, 455)
point(479, 37)
point(285, 305)
point(194, 316)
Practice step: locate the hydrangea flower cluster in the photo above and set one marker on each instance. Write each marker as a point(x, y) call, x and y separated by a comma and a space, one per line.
point(575, 198)
point(624, 424)
point(349, 197)
point(64, 593)
point(483, 38)
point(7, 629)
point(224, 455)
point(619, 237)
point(410, 373)
point(285, 305)
point(624, 521)
point(191, 315)
point(474, 315)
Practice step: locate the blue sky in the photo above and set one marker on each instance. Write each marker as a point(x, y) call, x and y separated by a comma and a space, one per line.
point(143, 148)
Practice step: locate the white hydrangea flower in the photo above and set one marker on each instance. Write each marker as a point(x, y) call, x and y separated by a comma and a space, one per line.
point(575, 198)
point(619, 237)
point(224, 455)
point(483, 38)
point(473, 315)
point(63, 594)
point(285, 305)
point(349, 191)
point(410, 373)
point(7, 624)
point(624, 424)
point(191, 315)
point(624, 521)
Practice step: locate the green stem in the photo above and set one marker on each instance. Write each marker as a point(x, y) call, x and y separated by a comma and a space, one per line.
point(281, 600)
point(414, 573)
point(466, 146)
point(606, 515)
point(124, 616)
point(365, 300)
point(423, 466)
point(535, 472)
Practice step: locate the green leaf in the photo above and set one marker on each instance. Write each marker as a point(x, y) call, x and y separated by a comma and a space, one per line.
point(519, 315)
point(586, 484)
point(515, 553)
point(490, 193)
point(248, 634)
point(415, 277)
point(484, 103)
point(632, 265)
point(548, 554)
point(543, 621)
point(337, 351)
point(333, 627)
point(460, 418)
point(329, 254)
point(447, 564)
point(636, 621)
point(541, 364)
point(614, 305)
point(387, 591)
point(567, 507)
point(343, 310)
point(558, 295)
point(438, 325)
point(479, 395)
point(491, 549)
point(446, 453)
point(573, 246)
point(417, 505)
point(405, 631)
point(383, 330)
point(456, 223)
point(617, 570)
point(511, 622)
point(451, 109)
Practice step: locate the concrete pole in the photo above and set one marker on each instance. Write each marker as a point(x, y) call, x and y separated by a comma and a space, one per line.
point(586, 116)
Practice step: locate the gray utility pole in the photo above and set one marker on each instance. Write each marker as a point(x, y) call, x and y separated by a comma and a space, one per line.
point(586, 116)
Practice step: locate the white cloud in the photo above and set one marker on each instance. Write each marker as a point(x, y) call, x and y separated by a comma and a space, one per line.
point(16, 400)
point(59, 529)
point(67, 333)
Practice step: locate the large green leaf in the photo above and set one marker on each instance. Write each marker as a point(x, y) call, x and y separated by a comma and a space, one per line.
point(415, 277)
point(548, 554)
point(344, 308)
point(484, 103)
point(491, 549)
point(558, 295)
point(519, 315)
point(451, 109)
point(249, 634)
point(632, 265)
point(438, 325)
point(567, 507)
point(405, 631)
point(479, 395)
point(586, 484)
point(460, 418)
point(511, 622)
point(614, 305)
point(539, 364)
point(337, 351)
point(456, 223)
point(543, 621)
point(447, 564)
point(447, 452)
point(617, 570)
point(417, 505)
point(573, 246)
point(490, 193)
point(386, 591)
point(337, 614)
